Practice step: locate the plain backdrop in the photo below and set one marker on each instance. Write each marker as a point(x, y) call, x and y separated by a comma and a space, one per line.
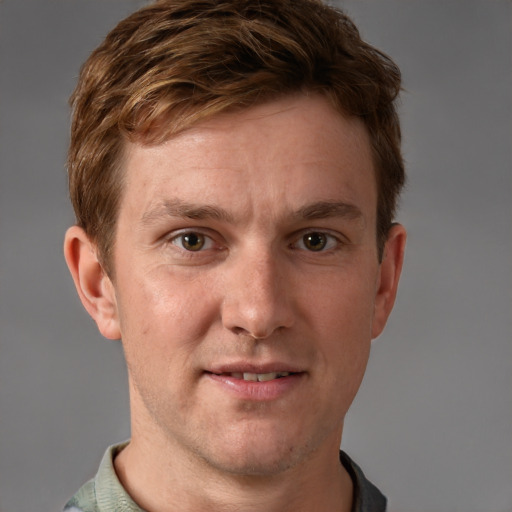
point(432, 425)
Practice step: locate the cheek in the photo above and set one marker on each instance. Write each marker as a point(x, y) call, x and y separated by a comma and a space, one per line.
point(344, 303)
point(160, 310)
point(343, 316)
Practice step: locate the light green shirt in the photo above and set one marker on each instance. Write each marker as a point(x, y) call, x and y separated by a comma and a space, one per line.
point(104, 493)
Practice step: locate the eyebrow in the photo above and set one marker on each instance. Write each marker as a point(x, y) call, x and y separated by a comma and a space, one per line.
point(326, 209)
point(183, 209)
point(179, 208)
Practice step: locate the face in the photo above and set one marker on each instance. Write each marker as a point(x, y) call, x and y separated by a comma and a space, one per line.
point(247, 283)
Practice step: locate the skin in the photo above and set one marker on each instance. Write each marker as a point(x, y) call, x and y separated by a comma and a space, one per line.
point(278, 205)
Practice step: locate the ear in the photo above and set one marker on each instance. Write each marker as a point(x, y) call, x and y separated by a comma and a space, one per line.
point(389, 275)
point(94, 287)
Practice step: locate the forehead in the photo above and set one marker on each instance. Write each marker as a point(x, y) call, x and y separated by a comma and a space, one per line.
point(286, 152)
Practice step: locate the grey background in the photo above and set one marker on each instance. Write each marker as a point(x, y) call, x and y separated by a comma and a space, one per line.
point(432, 425)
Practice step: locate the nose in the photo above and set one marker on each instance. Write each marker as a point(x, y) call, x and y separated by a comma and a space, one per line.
point(257, 300)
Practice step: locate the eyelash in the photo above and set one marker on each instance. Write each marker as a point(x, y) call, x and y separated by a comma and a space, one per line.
point(330, 241)
point(179, 240)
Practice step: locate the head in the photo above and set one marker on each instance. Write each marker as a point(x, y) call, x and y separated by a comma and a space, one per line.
point(176, 63)
point(235, 167)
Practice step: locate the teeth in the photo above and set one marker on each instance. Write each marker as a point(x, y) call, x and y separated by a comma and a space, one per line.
point(256, 377)
point(263, 377)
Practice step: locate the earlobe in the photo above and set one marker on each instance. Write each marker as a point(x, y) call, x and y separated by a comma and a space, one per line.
point(389, 275)
point(94, 287)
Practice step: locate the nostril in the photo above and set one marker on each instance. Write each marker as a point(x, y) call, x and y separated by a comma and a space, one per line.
point(256, 316)
point(256, 335)
point(240, 331)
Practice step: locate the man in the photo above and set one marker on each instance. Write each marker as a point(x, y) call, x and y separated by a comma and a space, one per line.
point(234, 168)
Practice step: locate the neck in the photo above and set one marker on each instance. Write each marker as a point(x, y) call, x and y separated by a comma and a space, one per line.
point(159, 478)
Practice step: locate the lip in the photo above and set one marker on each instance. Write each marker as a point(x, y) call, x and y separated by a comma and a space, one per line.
point(251, 367)
point(255, 391)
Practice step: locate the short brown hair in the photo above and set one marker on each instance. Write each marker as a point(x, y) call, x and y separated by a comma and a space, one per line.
point(176, 62)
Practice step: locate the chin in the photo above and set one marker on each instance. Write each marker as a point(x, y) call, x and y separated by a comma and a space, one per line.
point(255, 464)
point(260, 453)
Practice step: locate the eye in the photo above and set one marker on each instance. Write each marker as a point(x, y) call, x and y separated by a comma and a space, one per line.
point(192, 241)
point(317, 241)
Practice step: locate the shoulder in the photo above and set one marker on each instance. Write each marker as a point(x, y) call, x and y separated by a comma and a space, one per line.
point(84, 500)
point(367, 498)
point(104, 493)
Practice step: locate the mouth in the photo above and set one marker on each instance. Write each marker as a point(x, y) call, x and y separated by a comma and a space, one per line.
point(254, 377)
point(257, 386)
point(257, 381)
